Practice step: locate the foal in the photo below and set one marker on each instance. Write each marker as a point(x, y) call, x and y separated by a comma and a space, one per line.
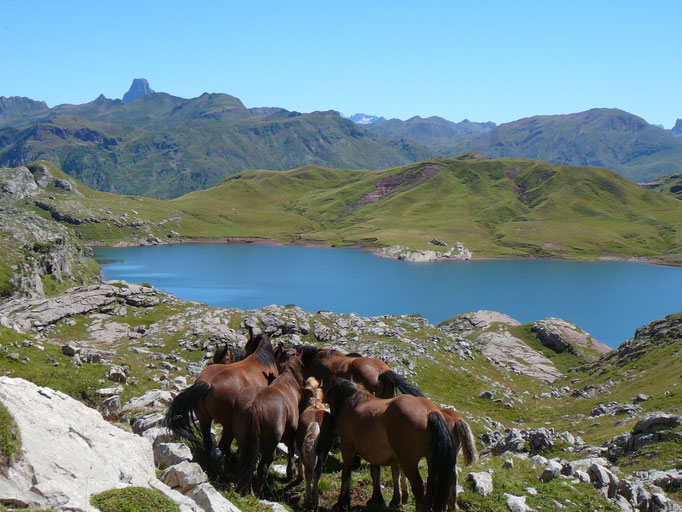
point(314, 439)
point(263, 417)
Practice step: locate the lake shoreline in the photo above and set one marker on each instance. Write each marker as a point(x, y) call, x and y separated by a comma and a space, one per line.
point(325, 244)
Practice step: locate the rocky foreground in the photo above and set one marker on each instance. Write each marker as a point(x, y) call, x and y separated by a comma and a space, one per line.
point(563, 422)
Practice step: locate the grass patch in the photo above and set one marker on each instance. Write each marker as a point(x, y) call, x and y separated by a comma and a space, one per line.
point(133, 499)
point(10, 441)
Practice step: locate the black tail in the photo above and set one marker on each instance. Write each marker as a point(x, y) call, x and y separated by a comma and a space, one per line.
point(180, 418)
point(248, 455)
point(442, 467)
point(391, 380)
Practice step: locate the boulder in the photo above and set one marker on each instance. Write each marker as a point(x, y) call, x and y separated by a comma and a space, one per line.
point(110, 407)
point(117, 374)
point(183, 476)
point(69, 451)
point(483, 482)
point(154, 399)
point(551, 471)
point(170, 454)
point(211, 500)
point(142, 423)
point(603, 479)
point(185, 503)
point(516, 503)
point(655, 421)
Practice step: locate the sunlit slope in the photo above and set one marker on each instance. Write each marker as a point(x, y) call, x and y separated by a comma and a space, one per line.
point(497, 207)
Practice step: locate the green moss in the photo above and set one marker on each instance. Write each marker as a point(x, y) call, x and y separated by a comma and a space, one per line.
point(133, 499)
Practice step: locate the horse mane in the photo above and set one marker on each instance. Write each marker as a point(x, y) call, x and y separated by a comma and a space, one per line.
point(221, 352)
point(308, 353)
point(264, 354)
point(347, 394)
point(317, 395)
point(354, 354)
point(293, 367)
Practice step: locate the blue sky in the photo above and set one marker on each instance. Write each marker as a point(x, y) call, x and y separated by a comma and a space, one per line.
point(487, 60)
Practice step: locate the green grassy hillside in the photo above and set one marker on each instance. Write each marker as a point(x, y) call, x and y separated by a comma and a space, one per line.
point(497, 208)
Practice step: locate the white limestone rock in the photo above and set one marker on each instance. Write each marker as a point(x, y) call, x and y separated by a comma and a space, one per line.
point(69, 451)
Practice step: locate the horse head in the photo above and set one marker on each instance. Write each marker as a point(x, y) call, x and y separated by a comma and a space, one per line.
point(222, 355)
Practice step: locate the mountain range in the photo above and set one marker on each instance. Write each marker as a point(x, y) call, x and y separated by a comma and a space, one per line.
point(599, 137)
point(164, 146)
point(155, 144)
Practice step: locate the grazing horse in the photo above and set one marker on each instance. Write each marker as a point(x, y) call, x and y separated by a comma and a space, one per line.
point(264, 417)
point(463, 438)
point(396, 432)
point(373, 374)
point(212, 397)
point(314, 439)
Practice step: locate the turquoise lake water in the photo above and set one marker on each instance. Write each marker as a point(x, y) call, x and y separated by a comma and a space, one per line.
point(607, 299)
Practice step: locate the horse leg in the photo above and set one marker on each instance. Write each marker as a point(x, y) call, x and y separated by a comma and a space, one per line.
point(208, 453)
point(268, 455)
point(377, 498)
point(403, 487)
point(412, 473)
point(317, 473)
point(396, 473)
point(309, 476)
point(344, 495)
point(291, 448)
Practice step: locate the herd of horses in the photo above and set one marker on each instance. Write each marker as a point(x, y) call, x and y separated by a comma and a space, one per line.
point(265, 396)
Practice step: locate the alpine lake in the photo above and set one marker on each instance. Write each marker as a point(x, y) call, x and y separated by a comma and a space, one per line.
point(608, 299)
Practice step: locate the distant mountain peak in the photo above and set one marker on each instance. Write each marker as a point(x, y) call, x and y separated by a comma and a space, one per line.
point(139, 87)
point(677, 129)
point(366, 119)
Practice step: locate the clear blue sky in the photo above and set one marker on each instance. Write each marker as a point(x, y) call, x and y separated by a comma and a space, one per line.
point(489, 60)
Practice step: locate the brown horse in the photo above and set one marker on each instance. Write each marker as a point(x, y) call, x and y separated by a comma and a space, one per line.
point(212, 397)
point(373, 374)
point(264, 417)
point(314, 439)
point(463, 438)
point(396, 432)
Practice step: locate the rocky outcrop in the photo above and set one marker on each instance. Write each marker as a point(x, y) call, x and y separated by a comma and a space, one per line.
point(23, 315)
point(653, 427)
point(532, 441)
point(33, 246)
point(456, 253)
point(560, 336)
point(69, 452)
point(661, 333)
point(499, 345)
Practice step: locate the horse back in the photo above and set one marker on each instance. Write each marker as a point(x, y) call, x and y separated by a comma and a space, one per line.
point(407, 425)
point(451, 416)
point(366, 371)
